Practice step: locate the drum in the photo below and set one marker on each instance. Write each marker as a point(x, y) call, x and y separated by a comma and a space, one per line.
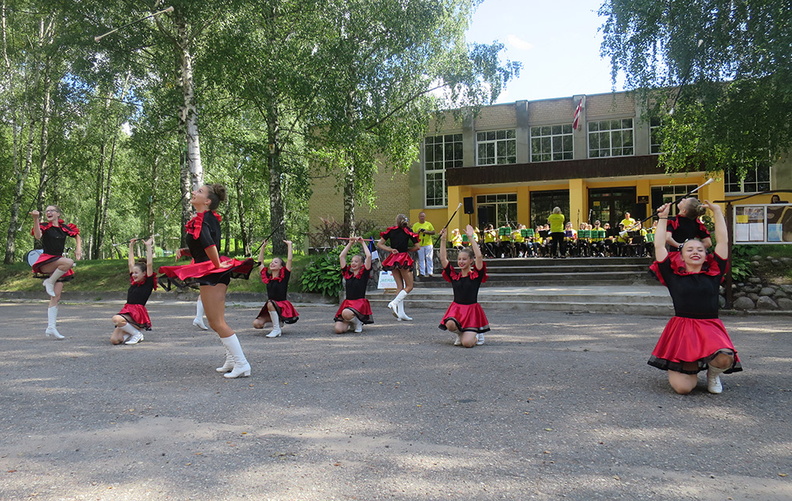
point(32, 256)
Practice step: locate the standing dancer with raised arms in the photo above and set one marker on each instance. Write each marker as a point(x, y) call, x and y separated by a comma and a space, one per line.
point(398, 261)
point(52, 262)
point(465, 317)
point(355, 309)
point(211, 273)
point(694, 339)
point(134, 315)
point(278, 309)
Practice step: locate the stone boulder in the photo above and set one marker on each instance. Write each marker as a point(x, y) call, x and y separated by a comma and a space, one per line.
point(766, 303)
point(743, 303)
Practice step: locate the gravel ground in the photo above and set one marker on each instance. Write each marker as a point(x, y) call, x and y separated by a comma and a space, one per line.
point(553, 406)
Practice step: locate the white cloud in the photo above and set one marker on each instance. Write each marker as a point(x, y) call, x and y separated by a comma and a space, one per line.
point(519, 43)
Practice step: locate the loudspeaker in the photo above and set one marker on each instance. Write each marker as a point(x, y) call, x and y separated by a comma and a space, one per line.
point(639, 211)
point(468, 202)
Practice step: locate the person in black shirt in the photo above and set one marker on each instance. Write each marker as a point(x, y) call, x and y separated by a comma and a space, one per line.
point(212, 273)
point(52, 262)
point(398, 261)
point(355, 310)
point(277, 310)
point(134, 315)
point(687, 224)
point(465, 317)
point(694, 339)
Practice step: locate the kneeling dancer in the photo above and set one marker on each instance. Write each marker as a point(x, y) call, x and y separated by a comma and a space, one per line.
point(277, 310)
point(134, 316)
point(355, 310)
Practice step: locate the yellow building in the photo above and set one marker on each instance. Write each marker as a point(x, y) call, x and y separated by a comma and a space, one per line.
point(515, 162)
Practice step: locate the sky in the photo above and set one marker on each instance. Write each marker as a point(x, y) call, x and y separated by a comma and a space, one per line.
point(557, 41)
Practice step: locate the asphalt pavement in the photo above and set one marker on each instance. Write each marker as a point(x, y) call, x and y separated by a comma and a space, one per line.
point(553, 406)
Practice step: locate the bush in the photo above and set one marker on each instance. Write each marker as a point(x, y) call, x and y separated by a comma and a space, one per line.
point(323, 274)
point(741, 267)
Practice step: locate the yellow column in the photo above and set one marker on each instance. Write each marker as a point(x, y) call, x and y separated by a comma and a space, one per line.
point(524, 205)
point(577, 200)
point(455, 196)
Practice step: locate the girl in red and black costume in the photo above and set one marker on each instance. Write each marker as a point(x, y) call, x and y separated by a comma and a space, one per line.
point(212, 273)
point(355, 309)
point(134, 315)
point(398, 261)
point(694, 339)
point(465, 317)
point(277, 310)
point(687, 224)
point(52, 262)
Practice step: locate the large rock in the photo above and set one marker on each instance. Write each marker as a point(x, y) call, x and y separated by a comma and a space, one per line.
point(743, 303)
point(766, 303)
point(767, 291)
point(754, 296)
point(784, 303)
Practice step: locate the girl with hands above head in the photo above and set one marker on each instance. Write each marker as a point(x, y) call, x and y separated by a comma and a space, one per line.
point(277, 310)
point(397, 260)
point(134, 316)
point(355, 310)
point(694, 339)
point(52, 262)
point(465, 317)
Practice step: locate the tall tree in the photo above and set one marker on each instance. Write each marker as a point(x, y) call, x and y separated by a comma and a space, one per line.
point(720, 72)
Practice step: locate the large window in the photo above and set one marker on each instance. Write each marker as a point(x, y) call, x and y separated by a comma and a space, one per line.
point(610, 138)
point(756, 179)
point(551, 142)
point(655, 138)
point(497, 210)
point(440, 153)
point(496, 147)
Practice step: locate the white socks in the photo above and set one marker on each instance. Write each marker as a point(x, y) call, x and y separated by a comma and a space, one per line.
point(52, 320)
point(276, 329)
point(241, 365)
point(49, 284)
point(357, 323)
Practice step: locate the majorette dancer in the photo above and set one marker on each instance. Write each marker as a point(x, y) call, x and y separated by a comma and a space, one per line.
point(134, 316)
point(397, 260)
point(355, 310)
point(278, 309)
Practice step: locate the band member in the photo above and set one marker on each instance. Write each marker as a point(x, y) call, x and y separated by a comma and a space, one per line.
point(52, 262)
point(465, 317)
point(425, 230)
point(212, 273)
point(278, 309)
point(355, 310)
point(134, 316)
point(398, 261)
point(694, 339)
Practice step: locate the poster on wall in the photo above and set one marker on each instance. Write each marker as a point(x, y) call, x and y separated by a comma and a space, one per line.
point(757, 224)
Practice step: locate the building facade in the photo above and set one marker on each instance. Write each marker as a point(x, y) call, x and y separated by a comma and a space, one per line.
point(515, 162)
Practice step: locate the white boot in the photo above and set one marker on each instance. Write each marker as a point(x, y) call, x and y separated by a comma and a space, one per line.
point(52, 319)
point(49, 284)
point(358, 324)
point(713, 379)
point(394, 305)
point(276, 328)
point(241, 365)
point(479, 338)
point(135, 336)
point(199, 314)
point(400, 309)
point(228, 366)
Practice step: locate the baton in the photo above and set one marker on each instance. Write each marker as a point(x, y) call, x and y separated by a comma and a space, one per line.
point(449, 221)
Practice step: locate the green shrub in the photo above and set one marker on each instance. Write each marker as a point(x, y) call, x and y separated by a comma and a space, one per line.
point(323, 274)
point(741, 267)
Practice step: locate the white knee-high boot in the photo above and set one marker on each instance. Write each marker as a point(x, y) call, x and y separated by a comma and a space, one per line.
point(52, 320)
point(394, 305)
point(135, 336)
point(228, 366)
point(276, 328)
point(49, 283)
point(199, 314)
point(713, 379)
point(241, 365)
point(400, 309)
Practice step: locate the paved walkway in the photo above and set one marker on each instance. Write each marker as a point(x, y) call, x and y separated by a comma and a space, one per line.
point(553, 406)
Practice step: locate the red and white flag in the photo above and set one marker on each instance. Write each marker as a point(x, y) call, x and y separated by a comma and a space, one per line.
point(578, 112)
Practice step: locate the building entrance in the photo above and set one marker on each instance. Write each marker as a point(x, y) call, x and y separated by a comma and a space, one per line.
point(608, 205)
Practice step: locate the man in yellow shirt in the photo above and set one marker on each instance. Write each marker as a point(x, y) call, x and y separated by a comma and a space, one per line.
point(426, 253)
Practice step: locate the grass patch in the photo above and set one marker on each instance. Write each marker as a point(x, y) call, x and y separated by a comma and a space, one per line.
point(109, 275)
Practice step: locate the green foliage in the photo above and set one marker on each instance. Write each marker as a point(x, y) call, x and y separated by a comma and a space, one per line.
point(322, 274)
point(741, 267)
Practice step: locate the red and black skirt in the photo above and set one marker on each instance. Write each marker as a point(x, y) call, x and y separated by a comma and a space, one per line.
point(467, 317)
point(398, 261)
point(50, 258)
point(204, 273)
point(692, 340)
point(360, 307)
point(137, 315)
point(285, 310)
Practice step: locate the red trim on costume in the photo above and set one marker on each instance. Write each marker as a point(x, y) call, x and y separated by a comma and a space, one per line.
point(139, 284)
point(266, 278)
point(406, 229)
point(194, 225)
point(710, 266)
point(69, 228)
point(346, 272)
point(473, 274)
